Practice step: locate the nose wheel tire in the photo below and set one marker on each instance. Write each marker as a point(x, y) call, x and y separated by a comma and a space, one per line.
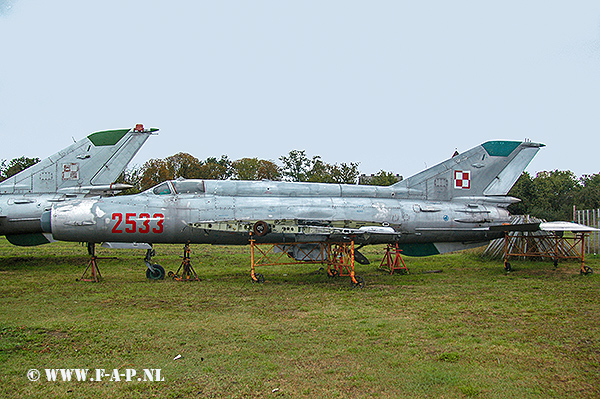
point(156, 273)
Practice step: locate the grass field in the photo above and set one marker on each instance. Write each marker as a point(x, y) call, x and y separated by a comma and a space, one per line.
point(471, 331)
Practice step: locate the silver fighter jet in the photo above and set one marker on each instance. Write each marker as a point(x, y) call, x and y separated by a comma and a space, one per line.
point(457, 204)
point(88, 167)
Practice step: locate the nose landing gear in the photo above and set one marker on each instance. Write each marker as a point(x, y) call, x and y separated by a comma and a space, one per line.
point(155, 271)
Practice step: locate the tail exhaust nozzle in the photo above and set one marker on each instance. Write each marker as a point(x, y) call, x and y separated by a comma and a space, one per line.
point(46, 222)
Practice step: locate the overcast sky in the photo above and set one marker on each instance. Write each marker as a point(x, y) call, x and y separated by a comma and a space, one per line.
point(394, 85)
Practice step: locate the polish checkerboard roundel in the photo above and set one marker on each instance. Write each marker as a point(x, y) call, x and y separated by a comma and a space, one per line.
point(462, 179)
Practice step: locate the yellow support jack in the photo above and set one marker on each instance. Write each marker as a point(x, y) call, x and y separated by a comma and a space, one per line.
point(339, 257)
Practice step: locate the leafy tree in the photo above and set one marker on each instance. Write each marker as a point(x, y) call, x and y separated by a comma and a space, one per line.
point(344, 173)
point(215, 169)
point(268, 170)
point(254, 169)
point(523, 190)
point(153, 172)
point(322, 172)
point(296, 166)
point(550, 195)
point(382, 178)
point(245, 169)
point(15, 166)
point(588, 196)
point(319, 171)
point(183, 165)
point(556, 195)
point(131, 176)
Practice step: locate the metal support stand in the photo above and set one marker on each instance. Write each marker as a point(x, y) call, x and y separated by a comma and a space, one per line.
point(338, 256)
point(555, 247)
point(188, 273)
point(256, 278)
point(92, 266)
point(340, 262)
point(392, 259)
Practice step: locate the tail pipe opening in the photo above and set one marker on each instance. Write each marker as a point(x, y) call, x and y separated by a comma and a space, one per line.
point(46, 222)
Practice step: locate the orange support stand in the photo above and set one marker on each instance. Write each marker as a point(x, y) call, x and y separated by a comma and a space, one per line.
point(554, 246)
point(256, 277)
point(340, 259)
point(188, 273)
point(338, 256)
point(392, 259)
point(340, 262)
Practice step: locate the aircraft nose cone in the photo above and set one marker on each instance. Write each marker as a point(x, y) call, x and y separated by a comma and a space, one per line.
point(46, 222)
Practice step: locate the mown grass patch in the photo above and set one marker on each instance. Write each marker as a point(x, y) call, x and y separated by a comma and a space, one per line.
point(472, 330)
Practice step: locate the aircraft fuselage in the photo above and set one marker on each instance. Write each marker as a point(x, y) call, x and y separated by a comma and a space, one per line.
point(167, 215)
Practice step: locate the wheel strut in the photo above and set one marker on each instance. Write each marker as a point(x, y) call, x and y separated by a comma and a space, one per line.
point(155, 271)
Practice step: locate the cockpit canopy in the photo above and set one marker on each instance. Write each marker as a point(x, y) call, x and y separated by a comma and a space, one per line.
point(179, 187)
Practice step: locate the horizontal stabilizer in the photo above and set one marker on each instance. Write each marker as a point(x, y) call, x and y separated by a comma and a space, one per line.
point(516, 227)
point(566, 226)
point(545, 226)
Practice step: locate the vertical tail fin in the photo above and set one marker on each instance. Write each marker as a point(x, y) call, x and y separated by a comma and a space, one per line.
point(96, 160)
point(490, 169)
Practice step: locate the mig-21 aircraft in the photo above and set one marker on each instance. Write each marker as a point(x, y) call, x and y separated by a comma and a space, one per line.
point(460, 203)
point(89, 166)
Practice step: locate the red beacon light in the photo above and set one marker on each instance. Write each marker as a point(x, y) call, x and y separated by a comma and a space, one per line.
point(139, 128)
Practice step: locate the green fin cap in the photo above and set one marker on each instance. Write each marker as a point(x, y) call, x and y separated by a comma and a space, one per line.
point(500, 148)
point(107, 137)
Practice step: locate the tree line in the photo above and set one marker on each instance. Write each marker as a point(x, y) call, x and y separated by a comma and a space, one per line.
point(296, 166)
point(547, 195)
point(8, 169)
point(552, 195)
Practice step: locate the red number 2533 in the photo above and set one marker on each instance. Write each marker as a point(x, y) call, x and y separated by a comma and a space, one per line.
point(141, 224)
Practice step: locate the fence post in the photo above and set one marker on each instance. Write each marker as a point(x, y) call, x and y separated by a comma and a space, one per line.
point(584, 217)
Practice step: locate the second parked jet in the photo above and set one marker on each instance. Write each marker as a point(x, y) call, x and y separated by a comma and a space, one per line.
point(88, 167)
